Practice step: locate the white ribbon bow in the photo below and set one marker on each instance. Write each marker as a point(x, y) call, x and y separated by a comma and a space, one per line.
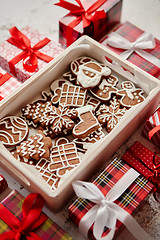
point(145, 41)
point(105, 212)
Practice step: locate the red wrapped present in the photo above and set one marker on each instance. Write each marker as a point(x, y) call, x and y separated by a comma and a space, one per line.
point(25, 52)
point(3, 184)
point(138, 47)
point(145, 162)
point(24, 219)
point(109, 201)
point(7, 83)
point(151, 129)
point(88, 17)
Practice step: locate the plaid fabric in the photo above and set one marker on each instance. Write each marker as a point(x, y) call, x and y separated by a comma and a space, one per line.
point(129, 200)
point(131, 33)
point(113, 11)
point(47, 231)
point(152, 122)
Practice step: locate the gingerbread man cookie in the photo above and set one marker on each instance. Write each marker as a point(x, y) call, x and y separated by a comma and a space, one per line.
point(64, 158)
point(13, 130)
point(131, 95)
point(36, 147)
point(71, 95)
point(69, 76)
point(90, 74)
point(106, 88)
point(74, 66)
point(88, 122)
point(111, 115)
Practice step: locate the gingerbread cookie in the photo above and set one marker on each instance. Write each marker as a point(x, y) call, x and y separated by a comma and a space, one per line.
point(88, 122)
point(58, 84)
point(36, 147)
point(92, 101)
point(106, 88)
point(13, 130)
point(111, 114)
point(35, 112)
point(131, 95)
point(71, 95)
point(90, 74)
point(60, 118)
point(69, 76)
point(63, 159)
point(50, 178)
point(74, 66)
point(30, 161)
point(60, 141)
point(85, 143)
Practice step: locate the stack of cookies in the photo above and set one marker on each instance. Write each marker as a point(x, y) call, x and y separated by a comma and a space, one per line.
point(78, 111)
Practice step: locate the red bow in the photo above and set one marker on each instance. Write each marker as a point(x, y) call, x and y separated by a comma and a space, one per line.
point(32, 218)
point(153, 131)
point(4, 78)
point(87, 16)
point(30, 54)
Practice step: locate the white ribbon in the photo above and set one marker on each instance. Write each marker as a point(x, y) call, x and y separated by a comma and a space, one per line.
point(105, 212)
point(145, 41)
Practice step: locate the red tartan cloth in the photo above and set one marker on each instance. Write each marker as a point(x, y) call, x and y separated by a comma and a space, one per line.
point(129, 200)
point(141, 158)
point(151, 123)
point(131, 33)
point(112, 9)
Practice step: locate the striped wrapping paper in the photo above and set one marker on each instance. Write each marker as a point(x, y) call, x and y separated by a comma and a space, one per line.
point(152, 122)
point(129, 200)
point(49, 230)
point(131, 33)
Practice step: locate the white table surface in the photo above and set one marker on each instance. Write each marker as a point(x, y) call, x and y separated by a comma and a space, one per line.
point(42, 15)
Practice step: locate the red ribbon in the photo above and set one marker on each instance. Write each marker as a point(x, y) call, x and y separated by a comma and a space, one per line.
point(32, 218)
point(29, 55)
point(86, 16)
point(153, 131)
point(4, 78)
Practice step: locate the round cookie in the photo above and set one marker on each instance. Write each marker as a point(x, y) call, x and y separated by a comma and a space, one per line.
point(13, 130)
point(105, 89)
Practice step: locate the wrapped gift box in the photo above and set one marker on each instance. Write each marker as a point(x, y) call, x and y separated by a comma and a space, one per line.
point(150, 62)
point(3, 184)
point(7, 83)
point(35, 48)
point(129, 200)
point(72, 26)
point(151, 129)
point(144, 161)
point(29, 176)
point(47, 230)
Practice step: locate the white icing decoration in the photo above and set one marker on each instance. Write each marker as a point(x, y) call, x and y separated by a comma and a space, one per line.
point(18, 128)
point(63, 152)
point(41, 166)
point(85, 109)
point(77, 93)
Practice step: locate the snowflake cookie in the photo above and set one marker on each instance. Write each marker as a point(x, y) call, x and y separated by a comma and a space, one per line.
point(36, 147)
point(60, 119)
point(111, 114)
